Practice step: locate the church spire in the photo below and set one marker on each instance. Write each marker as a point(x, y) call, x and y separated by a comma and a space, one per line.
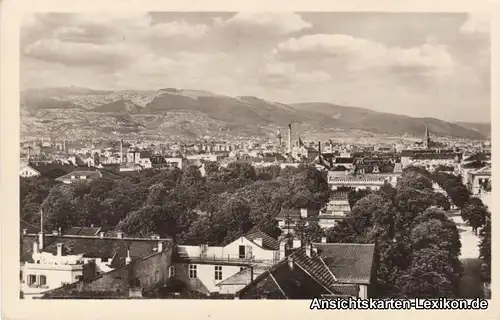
point(427, 137)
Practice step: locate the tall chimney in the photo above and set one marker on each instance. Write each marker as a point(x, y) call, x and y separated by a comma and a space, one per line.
point(35, 247)
point(29, 153)
point(319, 148)
point(290, 138)
point(121, 151)
point(40, 235)
point(59, 249)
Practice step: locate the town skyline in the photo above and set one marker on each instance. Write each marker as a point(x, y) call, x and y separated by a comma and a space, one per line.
point(283, 57)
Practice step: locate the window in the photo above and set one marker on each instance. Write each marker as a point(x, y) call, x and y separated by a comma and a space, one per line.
point(42, 280)
point(242, 252)
point(193, 271)
point(79, 278)
point(31, 279)
point(171, 271)
point(218, 272)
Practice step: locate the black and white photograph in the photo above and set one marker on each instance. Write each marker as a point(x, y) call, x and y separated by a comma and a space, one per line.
point(249, 155)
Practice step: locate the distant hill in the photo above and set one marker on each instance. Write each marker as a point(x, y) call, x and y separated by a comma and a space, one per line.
point(196, 113)
point(482, 128)
point(119, 106)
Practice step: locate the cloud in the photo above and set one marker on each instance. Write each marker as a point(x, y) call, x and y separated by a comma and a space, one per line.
point(476, 23)
point(279, 23)
point(79, 54)
point(360, 54)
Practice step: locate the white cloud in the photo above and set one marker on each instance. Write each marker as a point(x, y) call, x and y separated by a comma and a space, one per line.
point(269, 22)
point(363, 53)
point(175, 28)
point(476, 23)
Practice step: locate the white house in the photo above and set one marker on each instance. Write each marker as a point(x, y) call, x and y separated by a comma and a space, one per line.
point(203, 267)
point(28, 171)
point(478, 178)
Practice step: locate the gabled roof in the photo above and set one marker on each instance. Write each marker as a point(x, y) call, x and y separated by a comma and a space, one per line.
point(283, 281)
point(82, 231)
point(268, 242)
point(289, 213)
point(483, 171)
point(314, 265)
point(349, 262)
point(94, 246)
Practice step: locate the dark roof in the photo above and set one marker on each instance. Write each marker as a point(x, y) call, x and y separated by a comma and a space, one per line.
point(474, 165)
point(95, 247)
point(144, 154)
point(478, 157)
point(289, 213)
point(28, 227)
point(339, 195)
point(82, 231)
point(283, 281)
point(349, 262)
point(314, 265)
point(340, 168)
point(268, 242)
point(341, 160)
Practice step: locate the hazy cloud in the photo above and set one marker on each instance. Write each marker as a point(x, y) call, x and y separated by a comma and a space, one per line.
point(390, 62)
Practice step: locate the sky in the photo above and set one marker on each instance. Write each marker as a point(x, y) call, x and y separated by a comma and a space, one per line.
point(418, 64)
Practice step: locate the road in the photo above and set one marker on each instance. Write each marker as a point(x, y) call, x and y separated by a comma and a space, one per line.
point(470, 284)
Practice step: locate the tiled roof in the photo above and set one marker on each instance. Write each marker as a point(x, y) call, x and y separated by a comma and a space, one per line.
point(267, 241)
point(478, 157)
point(474, 165)
point(283, 282)
point(82, 231)
point(95, 247)
point(340, 160)
point(484, 170)
point(289, 213)
point(351, 263)
point(29, 227)
point(314, 265)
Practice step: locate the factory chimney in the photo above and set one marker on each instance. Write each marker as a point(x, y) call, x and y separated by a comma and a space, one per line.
point(121, 151)
point(290, 138)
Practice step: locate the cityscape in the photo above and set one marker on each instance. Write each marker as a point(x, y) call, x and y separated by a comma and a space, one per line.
point(207, 188)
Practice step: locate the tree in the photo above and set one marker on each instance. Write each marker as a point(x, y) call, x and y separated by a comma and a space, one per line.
point(475, 215)
point(435, 234)
point(485, 249)
point(355, 195)
point(427, 276)
point(414, 180)
point(308, 233)
point(441, 201)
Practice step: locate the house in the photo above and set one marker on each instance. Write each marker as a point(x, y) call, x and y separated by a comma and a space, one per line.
point(352, 264)
point(358, 182)
point(479, 178)
point(336, 209)
point(288, 218)
point(49, 261)
point(204, 267)
point(79, 176)
point(301, 275)
point(28, 170)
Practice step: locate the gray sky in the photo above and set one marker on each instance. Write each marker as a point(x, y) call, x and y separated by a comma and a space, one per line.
point(426, 65)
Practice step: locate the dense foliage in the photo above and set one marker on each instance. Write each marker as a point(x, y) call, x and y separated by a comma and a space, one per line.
point(183, 204)
point(417, 245)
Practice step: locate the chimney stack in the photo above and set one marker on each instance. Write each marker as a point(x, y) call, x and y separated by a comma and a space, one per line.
point(128, 259)
point(101, 234)
point(121, 151)
point(25, 231)
point(59, 231)
point(40, 240)
point(119, 235)
point(323, 239)
point(290, 263)
point(35, 247)
point(59, 249)
point(308, 250)
point(319, 148)
point(289, 138)
point(282, 250)
point(160, 246)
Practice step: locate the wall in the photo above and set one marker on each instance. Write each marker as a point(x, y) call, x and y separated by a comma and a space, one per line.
point(231, 289)
point(148, 271)
point(205, 281)
point(363, 291)
point(56, 276)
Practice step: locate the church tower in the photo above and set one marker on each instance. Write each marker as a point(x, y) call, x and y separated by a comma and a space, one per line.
point(427, 141)
point(280, 141)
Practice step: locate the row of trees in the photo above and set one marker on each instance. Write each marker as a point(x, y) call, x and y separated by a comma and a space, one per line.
point(216, 208)
point(416, 244)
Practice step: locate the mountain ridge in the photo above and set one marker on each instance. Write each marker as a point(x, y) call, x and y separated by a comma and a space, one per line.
point(220, 113)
